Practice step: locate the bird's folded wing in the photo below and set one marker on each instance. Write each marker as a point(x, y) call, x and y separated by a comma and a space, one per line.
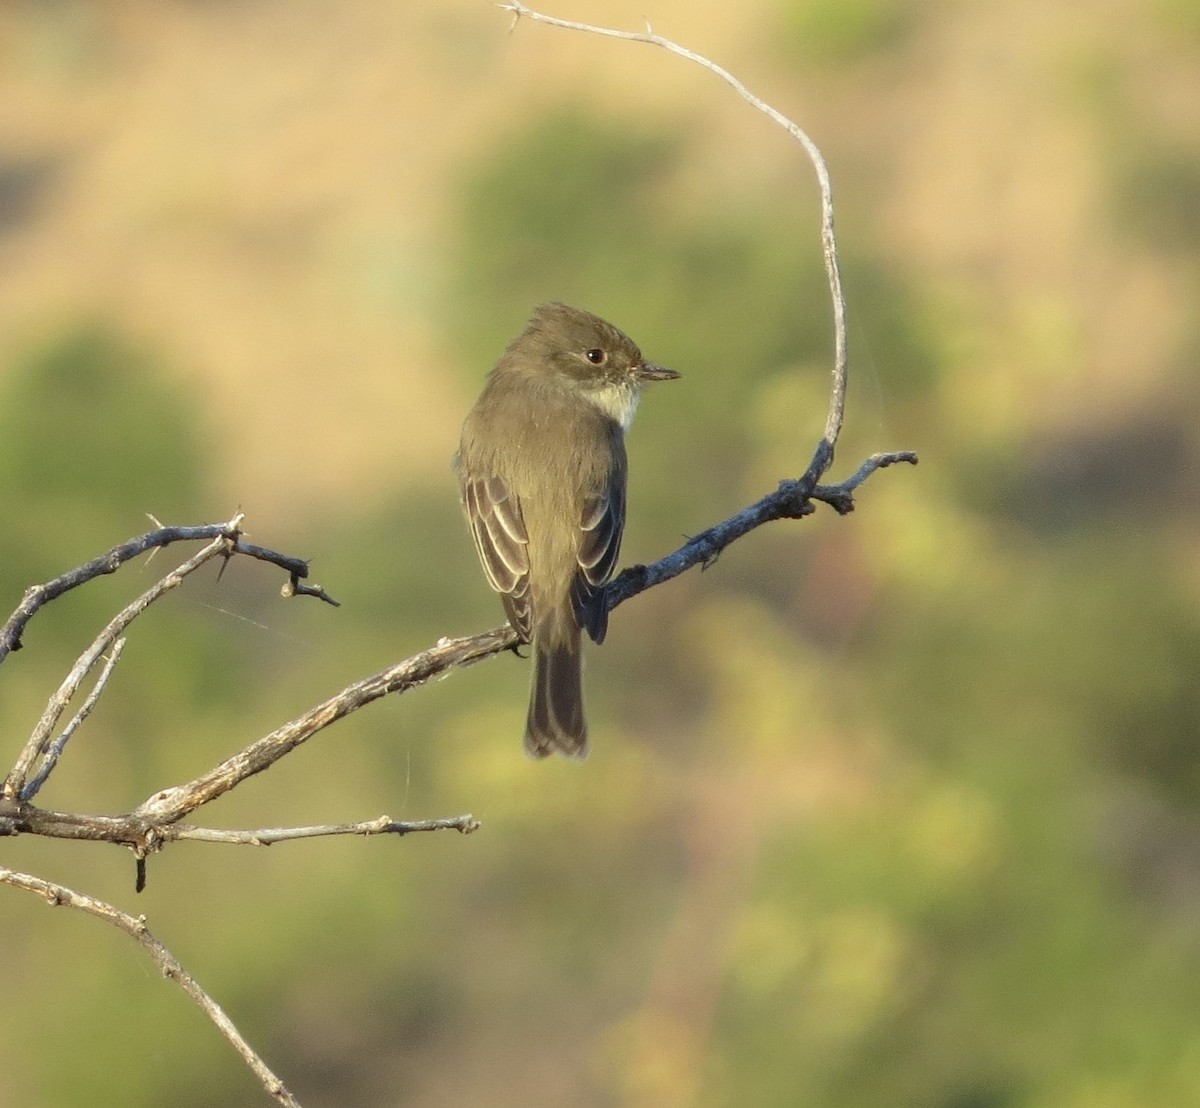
point(601, 526)
point(502, 541)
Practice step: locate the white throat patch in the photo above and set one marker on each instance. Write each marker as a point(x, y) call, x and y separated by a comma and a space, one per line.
point(618, 402)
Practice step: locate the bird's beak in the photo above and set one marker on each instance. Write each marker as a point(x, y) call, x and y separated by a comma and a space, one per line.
point(648, 371)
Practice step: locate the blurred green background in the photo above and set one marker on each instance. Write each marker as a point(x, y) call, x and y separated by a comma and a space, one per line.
point(898, 809)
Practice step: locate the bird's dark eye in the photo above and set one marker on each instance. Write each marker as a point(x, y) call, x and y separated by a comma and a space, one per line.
point(596, 356)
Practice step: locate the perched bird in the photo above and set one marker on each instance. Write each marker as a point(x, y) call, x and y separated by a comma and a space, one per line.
point(542, 470)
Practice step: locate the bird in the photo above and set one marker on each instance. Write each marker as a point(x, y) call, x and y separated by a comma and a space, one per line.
point(542, 474)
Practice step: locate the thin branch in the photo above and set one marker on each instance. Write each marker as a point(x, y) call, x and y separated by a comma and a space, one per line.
point(167, 963)
point(172, 804)
point(143, 836)
point(823, 458)
point(35, 746)
point(268, 836)
point(37, 596)
point(841, 498)
point(792, 500)
point(19, 818)
point(296, 567)
point(54, 750)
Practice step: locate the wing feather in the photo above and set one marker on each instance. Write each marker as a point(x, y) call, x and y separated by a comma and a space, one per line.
point(502, 541)
point(601, 524)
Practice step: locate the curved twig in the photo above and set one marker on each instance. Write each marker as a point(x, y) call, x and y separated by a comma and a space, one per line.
point(823, 458)
point(167, 963)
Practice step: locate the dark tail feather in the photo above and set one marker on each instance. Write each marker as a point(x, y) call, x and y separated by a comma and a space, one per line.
point(556, 720)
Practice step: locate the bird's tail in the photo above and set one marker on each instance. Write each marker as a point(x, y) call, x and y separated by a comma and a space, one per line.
point(556, 722)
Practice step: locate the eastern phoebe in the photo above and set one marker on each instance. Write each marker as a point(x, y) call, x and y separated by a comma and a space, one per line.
point(542, 471)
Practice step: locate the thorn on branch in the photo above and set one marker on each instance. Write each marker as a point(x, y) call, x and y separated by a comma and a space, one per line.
point(226, 539)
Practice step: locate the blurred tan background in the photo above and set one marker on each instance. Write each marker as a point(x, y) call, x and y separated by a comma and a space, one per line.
point(898, 809)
